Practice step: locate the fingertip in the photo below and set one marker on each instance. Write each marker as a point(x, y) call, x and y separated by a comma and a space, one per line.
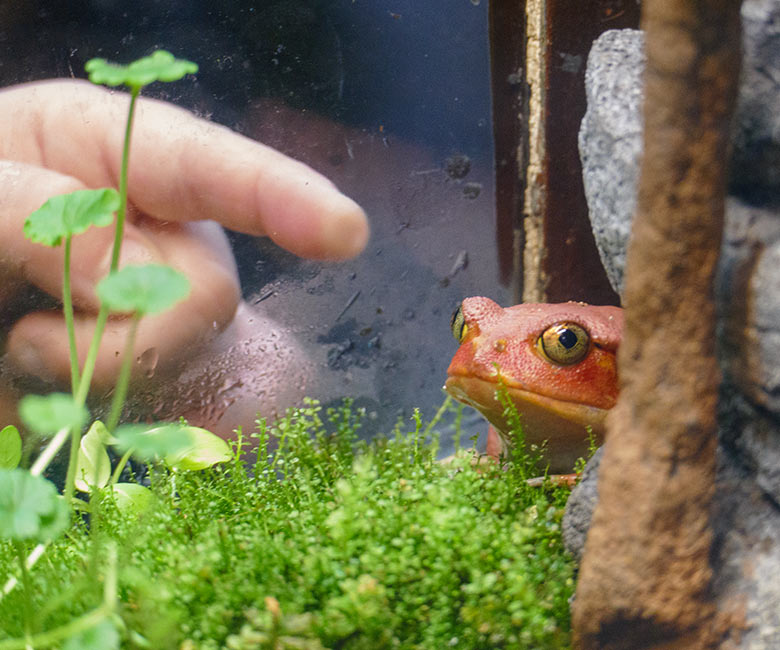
point(345, 230)
point(309, 216)
point(34, 347)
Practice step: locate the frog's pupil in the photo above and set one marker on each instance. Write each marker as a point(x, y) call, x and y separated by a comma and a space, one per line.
point(568, 339)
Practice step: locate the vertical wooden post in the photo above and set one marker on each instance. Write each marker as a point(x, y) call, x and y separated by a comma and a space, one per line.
point(538, 51)
point(645, 575)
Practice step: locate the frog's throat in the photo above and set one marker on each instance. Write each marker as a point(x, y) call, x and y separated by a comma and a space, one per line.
point(558, 422)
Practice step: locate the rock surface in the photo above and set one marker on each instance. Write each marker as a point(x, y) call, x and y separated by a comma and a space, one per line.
point(579, 508)
point(746, 509)
point(610, 143)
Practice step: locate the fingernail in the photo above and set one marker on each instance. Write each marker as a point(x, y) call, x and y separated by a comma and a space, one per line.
point(132, 252)
point(346, 231)
point(28, 359)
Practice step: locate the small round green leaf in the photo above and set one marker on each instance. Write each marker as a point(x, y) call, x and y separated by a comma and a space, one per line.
point(131, 497)
point(102, 636)
point(46, 414)
point(93, 467)
point(153, 441)
point(205, 449)
point(30, 507)
point(10, 447)
point(146, 289)
point(158, 66)
point(71, 214)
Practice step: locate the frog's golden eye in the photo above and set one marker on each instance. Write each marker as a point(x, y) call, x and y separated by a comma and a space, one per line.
point(564, 343)
point(458, 325)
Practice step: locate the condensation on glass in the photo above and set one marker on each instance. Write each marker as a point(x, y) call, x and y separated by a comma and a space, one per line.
point(391, 100)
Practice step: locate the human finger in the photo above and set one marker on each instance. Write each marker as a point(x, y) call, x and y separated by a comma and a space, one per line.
point(36, 346)
point(24, 188)
point(182, 168)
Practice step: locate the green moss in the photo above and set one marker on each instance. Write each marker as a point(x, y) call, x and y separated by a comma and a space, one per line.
point(322, 543)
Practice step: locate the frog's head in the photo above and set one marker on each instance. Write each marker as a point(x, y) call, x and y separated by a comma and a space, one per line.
point(557, 363)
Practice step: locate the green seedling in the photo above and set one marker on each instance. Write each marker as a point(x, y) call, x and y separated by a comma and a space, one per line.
point(10, 447)
point(93, 467)
point(131, 497)
point(102, 636)
point(139, 290)
point(150, 443)
point(29, 506)
point(142, 290)
point(180, 446)
point(158, 66)
point(93, 470)
point(30, 510)
point(203, 450)
point(59, 219)
point(62, 217)
point(48, 414)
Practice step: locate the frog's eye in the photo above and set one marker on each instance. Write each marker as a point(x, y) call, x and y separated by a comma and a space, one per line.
point(564, 343)
point(458, 325)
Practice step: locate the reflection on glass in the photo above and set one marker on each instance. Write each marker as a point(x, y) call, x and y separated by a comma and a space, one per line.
point(389, 100)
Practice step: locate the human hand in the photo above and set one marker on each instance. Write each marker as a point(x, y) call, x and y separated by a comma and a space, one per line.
point(185, 176)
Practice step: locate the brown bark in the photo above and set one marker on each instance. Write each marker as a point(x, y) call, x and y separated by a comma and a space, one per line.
point(645, 576)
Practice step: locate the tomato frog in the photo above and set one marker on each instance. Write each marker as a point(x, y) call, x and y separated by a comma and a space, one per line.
point(557, 363)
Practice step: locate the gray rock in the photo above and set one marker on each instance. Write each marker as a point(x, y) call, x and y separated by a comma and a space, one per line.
point(746, 508)
point(746, 558)
point(610, 143)
point(579, 508)
point(748, 289)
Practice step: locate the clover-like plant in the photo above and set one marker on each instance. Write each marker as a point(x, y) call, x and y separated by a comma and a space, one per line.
point(180, 446)
point(138, 290)
point(58, 220)
point(61, 217)
point(30, 508)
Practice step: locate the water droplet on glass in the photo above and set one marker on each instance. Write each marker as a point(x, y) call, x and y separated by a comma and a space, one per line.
point(472, 190)
point(457, 166)
point(148, 361)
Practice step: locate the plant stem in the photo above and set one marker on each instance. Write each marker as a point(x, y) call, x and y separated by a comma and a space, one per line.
point(123, 174)
point(85, 622)
point(34, 556)
point(50, 451)
point(67, 310)
point(89, 363)
point(81, 397)
point(70, 477)
point(19, 546)
point(119, 229)
point(58, 634)
point(120, 466)
point(120, 390)
point(102, 317)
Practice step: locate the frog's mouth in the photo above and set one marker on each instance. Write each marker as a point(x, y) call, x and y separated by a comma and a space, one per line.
point(561, 425)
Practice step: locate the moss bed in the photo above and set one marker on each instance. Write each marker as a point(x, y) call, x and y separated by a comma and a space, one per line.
point(326, 542)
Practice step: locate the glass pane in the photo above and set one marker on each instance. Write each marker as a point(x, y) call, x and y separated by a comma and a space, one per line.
point(388, 99)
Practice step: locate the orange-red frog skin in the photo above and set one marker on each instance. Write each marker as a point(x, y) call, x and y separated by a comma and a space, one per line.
point(557, 362)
